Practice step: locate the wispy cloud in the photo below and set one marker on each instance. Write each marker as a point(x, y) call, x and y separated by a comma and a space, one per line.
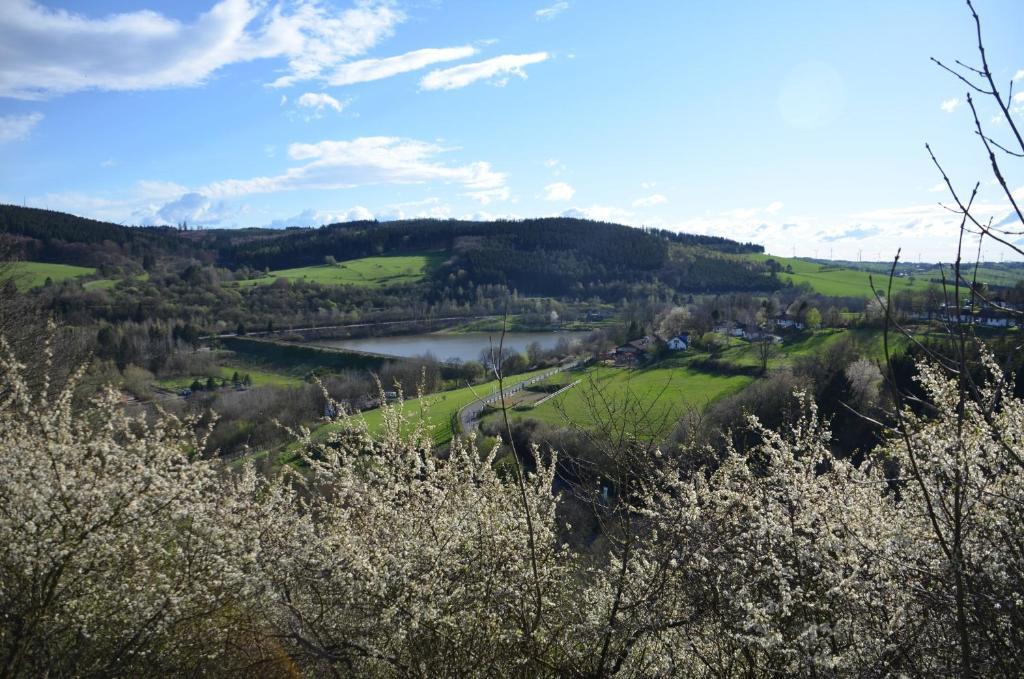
point(49, 52)
point(950, 105)
point(365, 161)
point(559, 192)
point(318, 101)
point(15, 127)
point(497, 68)
point(551, 12)
point(367, 70)
point(648, 201)
point(555, 166)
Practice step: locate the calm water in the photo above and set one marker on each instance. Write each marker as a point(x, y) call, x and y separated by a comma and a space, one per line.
point(464, 346)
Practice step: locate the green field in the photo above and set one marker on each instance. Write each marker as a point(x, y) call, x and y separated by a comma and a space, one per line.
point(372, 272)
point(837, 281)
point(743, 353)
point(108, 283)
point(652, 398)
point(991, 274)
point(869, 342)
point(28, 275)
point(260, 378)
point(438, 409)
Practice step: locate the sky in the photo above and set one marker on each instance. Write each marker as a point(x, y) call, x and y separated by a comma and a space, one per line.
point(799, 125)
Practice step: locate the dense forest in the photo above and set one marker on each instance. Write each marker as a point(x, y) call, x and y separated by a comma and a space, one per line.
point(557, 257)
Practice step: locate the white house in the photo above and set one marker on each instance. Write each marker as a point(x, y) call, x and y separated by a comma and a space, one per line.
point(786, 322)
point(679, 342)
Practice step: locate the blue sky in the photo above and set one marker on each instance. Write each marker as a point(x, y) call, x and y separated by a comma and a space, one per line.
point(799, 125)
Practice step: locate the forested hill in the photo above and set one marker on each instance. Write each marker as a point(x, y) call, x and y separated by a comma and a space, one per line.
point(552, 256)
point(641, 248)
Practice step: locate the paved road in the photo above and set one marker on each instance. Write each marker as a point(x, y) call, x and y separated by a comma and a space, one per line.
point(469, 414)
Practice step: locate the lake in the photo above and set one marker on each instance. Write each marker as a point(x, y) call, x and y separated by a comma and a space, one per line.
point(463, 346)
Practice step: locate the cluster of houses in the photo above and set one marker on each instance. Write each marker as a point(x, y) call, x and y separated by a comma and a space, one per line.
point(996, 313)
point(631, 352)
point(751, 333)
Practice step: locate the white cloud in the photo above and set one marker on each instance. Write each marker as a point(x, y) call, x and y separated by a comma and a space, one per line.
point(432, 208)
point(325, 165)
point(774, 207)
point(552, 11)
point(377, 69)
point(950, 105)
point(484, 216)
point(499, 68)
point(1018, 103)
point(146, 202)
point(49, 52)
point(365, 161)
point(15, 127)
point(927, 230)
point(311, 217)
point(488, 196)
point(601, 213)
point(648, 201)
point(1019, 75)
point(318, 101)
point(941, 186)
point(559, 191)
point(192, 207)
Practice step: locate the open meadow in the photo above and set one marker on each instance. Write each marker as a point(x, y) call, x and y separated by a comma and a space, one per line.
point(372, 272)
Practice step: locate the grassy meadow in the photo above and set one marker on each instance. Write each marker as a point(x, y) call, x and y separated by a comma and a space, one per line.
point(836, 281)
point(654, 397)
point(28, 275)
point(373, 272)
point(260, 378)
point(437, 409)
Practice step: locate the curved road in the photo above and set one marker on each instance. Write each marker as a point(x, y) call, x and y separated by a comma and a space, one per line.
point(469, 414)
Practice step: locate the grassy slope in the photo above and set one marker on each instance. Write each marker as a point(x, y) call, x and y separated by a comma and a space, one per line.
point(34, 274)
point(374, 272)
point(108, 283)
point(991, 274)
point(438, 409)
point(259, 378)
point(662, 392)
point(671, 387)
point(869, 342)
point(839, 282)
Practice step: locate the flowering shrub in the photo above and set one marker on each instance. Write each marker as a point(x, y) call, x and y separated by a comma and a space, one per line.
point(122, 552)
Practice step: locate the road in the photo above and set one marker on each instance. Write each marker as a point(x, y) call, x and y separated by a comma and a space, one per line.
point(469, 414)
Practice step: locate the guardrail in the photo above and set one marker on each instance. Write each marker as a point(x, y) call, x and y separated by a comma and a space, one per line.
point(508, 391)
